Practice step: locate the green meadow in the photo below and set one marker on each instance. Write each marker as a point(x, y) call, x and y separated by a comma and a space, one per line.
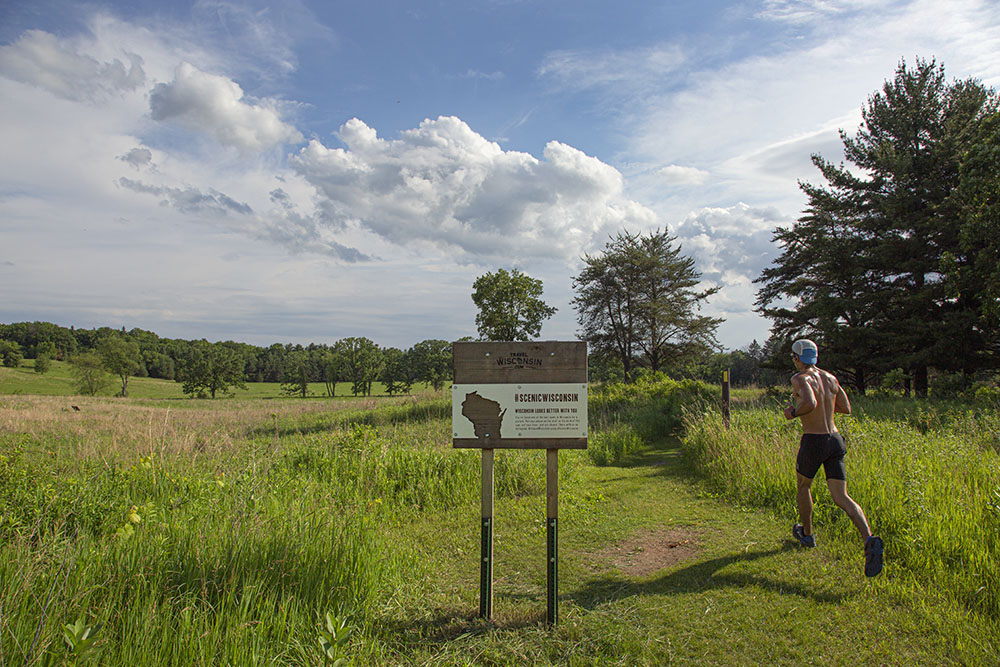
point(161, 530)
point(59, 382)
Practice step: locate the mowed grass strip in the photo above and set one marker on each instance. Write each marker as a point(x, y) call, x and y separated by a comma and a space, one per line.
point(740, 592)
point(256, 518)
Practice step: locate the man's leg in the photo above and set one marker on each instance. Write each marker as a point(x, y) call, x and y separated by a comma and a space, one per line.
point(804, 498)
point(838, 490)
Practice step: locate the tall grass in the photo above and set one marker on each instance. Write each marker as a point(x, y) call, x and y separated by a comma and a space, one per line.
point(624, 416)
point(217, 535)
point(926, 474)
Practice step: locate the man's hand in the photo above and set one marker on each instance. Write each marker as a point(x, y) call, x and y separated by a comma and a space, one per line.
point(790, 411)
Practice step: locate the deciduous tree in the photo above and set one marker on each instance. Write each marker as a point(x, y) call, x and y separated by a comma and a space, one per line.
point(431, 362)
point(211, 368)
point(87, 369)
point(638, 300)
point(397, 375)
point(296, 378)
point(362, 363)
point(510, 306)
point(120, 357)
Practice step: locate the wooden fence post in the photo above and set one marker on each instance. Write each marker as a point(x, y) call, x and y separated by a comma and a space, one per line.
point(725, 398)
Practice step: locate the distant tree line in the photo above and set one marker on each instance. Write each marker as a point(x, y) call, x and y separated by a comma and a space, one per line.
point(209, 369)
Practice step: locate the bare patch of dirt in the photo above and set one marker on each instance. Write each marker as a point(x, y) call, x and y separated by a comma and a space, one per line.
point(652, 551)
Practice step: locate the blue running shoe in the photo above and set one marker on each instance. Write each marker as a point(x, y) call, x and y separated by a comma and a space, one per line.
point(873, 555)
point(805, 540)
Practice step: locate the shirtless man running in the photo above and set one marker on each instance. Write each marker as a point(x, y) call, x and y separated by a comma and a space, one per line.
point(817, 396)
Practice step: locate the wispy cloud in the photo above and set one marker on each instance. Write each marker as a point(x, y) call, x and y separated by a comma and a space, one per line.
point(675, 174)
point(189, 199)
point(40, 59)
point(630, 73)
point(476, 74)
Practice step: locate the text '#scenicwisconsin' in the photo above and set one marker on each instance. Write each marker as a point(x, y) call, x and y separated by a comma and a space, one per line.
point(546, 398)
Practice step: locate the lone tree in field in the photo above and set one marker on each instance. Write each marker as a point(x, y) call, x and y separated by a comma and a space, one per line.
point(295, 381)
point(212, 368)
point(44, 352)
point(431, 361)
point(331, 365)
point(363, 363)
point(880, 266)
point(638, 301)
point(10, 352)
point(88, 371)
point(120, 357)
point(397, 371)
point(510, 306)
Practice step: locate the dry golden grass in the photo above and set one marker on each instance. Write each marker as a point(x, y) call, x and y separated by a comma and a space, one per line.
point(103, 426)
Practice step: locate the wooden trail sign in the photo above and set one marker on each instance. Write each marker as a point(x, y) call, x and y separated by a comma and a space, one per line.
point(513, 395)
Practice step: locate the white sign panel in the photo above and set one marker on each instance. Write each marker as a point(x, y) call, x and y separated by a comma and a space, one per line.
point(519, 410)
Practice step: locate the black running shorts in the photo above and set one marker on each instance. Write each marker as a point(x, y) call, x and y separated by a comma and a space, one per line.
point(822, 449)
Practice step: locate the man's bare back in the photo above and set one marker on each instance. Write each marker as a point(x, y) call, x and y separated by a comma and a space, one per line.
point(817, 396)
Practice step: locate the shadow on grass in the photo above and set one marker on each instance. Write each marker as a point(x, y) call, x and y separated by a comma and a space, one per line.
point(697, 578)
point(662, 458)
point(665, 458)
point(448, 624)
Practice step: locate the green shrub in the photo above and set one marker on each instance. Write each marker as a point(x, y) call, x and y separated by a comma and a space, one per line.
point(10, 353)
point(42, 364)
point(613, 444)
point(655, 404)
point(893, 383)
point(949, 385)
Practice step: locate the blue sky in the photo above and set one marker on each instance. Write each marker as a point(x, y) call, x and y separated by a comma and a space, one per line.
point(305, 171)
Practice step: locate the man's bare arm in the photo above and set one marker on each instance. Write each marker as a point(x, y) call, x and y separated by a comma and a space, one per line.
point(842, 404)
point(807, 399)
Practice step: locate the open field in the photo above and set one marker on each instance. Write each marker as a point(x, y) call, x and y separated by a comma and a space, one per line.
point(59, 382)
point(223, 532)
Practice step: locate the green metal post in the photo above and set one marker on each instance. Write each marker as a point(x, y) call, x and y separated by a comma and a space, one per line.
point(486, 571)
point(486, 549)
point(552, 534)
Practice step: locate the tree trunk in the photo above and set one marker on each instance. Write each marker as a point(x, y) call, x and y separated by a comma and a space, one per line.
point(920, 381)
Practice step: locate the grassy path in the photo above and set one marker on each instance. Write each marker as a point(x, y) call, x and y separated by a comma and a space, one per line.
point(654, 571)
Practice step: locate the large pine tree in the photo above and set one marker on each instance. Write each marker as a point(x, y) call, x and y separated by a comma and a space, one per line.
point(865, 265)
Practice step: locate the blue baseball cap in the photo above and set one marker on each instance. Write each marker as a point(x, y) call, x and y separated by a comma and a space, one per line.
point(806, 350)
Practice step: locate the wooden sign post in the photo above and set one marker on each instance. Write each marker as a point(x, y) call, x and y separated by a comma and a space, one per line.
point(511, 395)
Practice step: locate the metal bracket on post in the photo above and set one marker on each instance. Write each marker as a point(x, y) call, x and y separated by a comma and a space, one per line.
point(486, 549)
point(552, 535)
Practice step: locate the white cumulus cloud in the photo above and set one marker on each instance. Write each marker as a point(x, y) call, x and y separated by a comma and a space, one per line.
point(445, 184)
point(216, 105)
point(730, 241)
